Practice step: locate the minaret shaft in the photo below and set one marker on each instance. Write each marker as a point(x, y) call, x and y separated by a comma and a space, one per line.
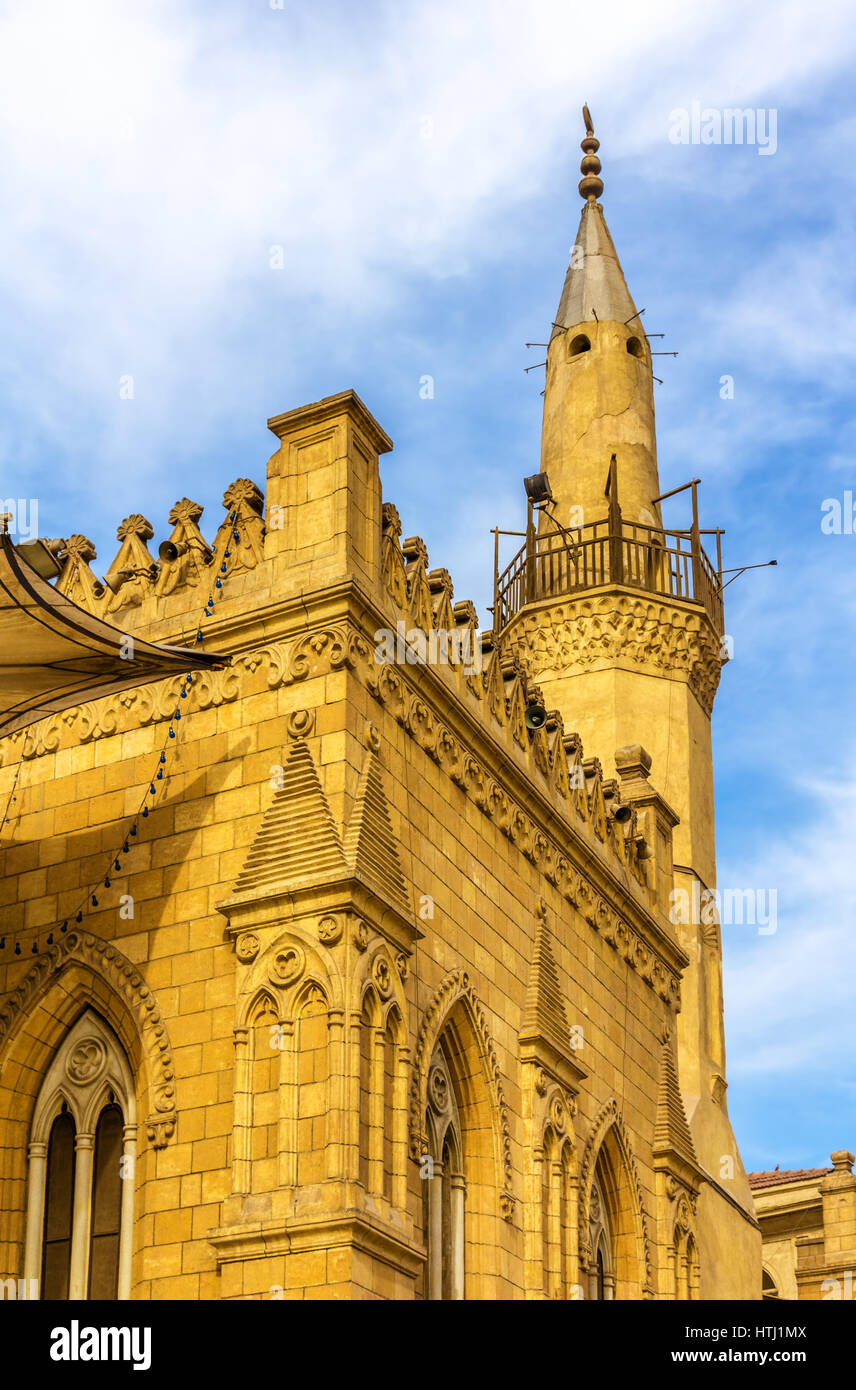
point(598, 402)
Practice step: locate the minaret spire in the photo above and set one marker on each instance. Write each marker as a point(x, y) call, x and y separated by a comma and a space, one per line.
point(599, 393)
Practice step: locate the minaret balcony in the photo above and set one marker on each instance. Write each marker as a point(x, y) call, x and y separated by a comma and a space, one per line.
point(607, 554)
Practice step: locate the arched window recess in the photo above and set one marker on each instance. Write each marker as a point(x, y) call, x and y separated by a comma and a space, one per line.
point(82, 1150)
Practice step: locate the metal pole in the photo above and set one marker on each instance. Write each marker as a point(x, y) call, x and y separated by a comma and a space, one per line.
point(616, 553)
point(529, 587)
point(696, 547)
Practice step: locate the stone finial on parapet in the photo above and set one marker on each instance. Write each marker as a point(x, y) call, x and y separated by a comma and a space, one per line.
point(132, 575)
point(655, 819)
point(842, 1171)
point(239, 543)
point(633, 764)
point(194, 553)
point(838, 1194)
point(77, 581)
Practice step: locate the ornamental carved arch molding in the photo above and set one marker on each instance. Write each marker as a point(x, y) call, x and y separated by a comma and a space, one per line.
point(609, 1131)
point(280, 964)
point(554, 1113)
point(456, 996)
point(84, 969)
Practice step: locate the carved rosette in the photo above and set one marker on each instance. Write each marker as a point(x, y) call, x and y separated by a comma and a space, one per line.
point(247, 947)
point(86, 1061)
point(438, 1090)
point(287, 965)
point(382, 975)
point(300, 723)
point(330, 929)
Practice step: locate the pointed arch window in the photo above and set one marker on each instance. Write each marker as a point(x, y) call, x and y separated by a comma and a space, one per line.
point(601, 1275)
point(80, 1200)
point(556, 1216)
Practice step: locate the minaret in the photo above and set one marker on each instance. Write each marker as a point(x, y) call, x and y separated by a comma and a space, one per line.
point(619, 622)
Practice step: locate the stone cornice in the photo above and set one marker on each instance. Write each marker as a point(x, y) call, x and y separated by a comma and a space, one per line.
point(281, 906)
point(331, 408)
point(357, 1230)
point(623, 627)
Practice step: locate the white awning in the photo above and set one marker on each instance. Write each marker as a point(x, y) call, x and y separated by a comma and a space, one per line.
point(54, 655)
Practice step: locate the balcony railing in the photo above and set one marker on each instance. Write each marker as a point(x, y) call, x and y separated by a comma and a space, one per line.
point(554, 563)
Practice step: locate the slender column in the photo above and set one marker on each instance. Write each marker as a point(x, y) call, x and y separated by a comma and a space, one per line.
point(435, 1233)
point(683, 1282)
point(336, 1085)
point(673, 1273)
point(574, 1274)
point(457, 1252)
point(376, 1116)
point(242, 1123)
point(126, 1225)
point(399, 1180)
point(287, 1127)
point(554, 1228)
point(534, 1228)
point(353, 1118)
point(84, 1146)
point(37, 1155)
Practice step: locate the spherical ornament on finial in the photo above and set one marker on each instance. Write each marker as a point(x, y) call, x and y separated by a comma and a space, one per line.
point(590, 185)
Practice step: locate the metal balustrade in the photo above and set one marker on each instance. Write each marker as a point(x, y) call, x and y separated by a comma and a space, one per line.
point(650, 558)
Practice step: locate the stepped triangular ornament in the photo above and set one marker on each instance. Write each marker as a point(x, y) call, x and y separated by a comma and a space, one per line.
point(370, 844)
point(297, 838)
point(671, 1130)
point(544, 1008)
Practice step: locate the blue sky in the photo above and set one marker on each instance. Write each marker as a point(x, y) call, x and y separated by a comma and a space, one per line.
point(417, 164)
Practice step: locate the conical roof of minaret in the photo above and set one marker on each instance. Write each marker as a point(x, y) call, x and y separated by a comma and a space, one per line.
point(594, 283)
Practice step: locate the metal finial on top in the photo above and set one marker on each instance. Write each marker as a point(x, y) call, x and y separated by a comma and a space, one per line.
point(590, 185)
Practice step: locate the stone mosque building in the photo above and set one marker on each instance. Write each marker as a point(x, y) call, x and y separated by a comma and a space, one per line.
point(339, 954)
